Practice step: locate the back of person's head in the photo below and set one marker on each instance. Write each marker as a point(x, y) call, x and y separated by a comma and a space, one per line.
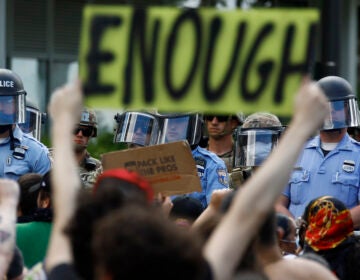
point(29, 189)
point(284, 222)
point(329, 223)
point(16, 267)
point(286, 229)
point(128, 241)
point(185, 209)
point(330, 234)
point(44, 198)
point(128, 183)
point(113, 189)
point(267, 233)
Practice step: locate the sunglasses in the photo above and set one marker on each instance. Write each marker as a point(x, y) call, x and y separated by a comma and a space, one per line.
point(219, 118)
point(86, 131)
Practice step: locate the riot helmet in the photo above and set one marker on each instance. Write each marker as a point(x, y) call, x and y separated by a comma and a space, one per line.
point(342, 101)
point(88, 118)
point(12, 98)
point(255, 139)
point(180, 126)
point(34, 119)
point(254, 145)
point(136, 128)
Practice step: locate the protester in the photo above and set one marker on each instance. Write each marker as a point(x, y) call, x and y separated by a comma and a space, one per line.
point(330, 233)
point(33, 230)
point(287, 235)
point(185, 210)
point(29, 191)
point(9, 197)
point(275, 265)
point(239, 223)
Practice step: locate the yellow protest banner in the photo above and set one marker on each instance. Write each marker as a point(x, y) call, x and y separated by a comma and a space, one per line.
point(206, 60)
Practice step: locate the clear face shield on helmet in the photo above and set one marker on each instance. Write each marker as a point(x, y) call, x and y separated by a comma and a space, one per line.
point(12, 109)
point(136, 128)
point(181, 127)
point(33, 121)
point(344, 113)
point(253, 145)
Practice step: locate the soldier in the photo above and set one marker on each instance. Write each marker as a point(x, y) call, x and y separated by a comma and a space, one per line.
point(255, 140)
point(89, 167)
point(220, 129)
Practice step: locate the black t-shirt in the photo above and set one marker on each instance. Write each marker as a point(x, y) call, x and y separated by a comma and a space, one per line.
point(63, 271)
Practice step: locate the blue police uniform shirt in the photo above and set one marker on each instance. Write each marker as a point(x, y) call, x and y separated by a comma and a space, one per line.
point(212, 172)
point(337, 174)
point(33, 156)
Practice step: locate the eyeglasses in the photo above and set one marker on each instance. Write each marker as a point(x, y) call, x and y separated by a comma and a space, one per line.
point(219, 118)
point(86, 131)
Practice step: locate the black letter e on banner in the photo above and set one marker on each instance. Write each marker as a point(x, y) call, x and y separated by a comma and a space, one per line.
point(95, 57)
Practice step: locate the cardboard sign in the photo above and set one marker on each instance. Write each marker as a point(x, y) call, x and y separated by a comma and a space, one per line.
point(205, 59)
point(170, 168)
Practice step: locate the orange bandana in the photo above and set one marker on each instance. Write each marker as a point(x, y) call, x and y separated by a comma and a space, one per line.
point(328, 226)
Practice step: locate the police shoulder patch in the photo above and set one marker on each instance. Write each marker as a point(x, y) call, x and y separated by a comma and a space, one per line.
point(222, 176)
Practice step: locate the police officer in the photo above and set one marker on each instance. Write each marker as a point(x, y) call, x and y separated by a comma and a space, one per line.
point(34, 120)
point(136, 129)
point(89, 167)
point(330, 162)
point(211, 169)
point(19, 153)
point(220, 129)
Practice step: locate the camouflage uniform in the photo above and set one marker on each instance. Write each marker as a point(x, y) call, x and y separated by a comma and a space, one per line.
point(235, 175)
point(89, 169)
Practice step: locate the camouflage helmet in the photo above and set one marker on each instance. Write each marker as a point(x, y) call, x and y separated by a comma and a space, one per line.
point(88, 118)
point(261, 119)
point(240, 117)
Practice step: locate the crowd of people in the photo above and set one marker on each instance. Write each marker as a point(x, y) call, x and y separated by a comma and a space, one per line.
point(276, 202)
